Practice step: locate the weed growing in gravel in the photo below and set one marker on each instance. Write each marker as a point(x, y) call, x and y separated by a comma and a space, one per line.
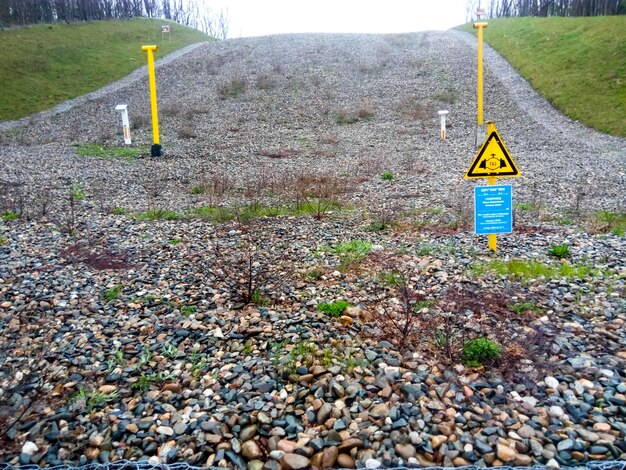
point(565, 221)
point(109, 153)
point(314, 274)
point(384, 217)
point(10, 215)
point(197, 190)
point(387, 176)
point(448, 96)
point(4, 241)
point(158, 214)
point(527, 207)
point(533, 269)
point(479, 351)
point(523, 307)
point(334, 309)
point(92, 399)
point(264, 82)
point(78, 193)
point(174, 241)
point(232, 89)
point(559, 251)
point(169, 350)
point(609, 221)
point(351, 253)
point(424, 250)
point(118, 211)
point(188, 310)
point(144, 381)
point(258, 299)
point(113, 293)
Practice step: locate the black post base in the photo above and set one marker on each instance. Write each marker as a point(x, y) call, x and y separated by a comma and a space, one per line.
point(156, 150)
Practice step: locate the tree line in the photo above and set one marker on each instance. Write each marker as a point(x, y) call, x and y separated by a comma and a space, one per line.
point(505, 8)
point(194, 13)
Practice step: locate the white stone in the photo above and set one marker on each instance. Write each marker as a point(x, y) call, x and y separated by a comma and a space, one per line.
point(556, 411)
point(372, 463)
point(553, 464)
point(551, 382)
point(29, 448)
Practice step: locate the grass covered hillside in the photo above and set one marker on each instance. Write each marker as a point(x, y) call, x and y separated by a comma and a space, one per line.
point(44, 65)
point(578, 64)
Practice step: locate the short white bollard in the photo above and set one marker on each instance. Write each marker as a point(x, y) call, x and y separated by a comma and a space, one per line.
point(125, 125)
point(442, 116)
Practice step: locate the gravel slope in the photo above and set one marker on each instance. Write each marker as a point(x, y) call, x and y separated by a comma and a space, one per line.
point(188, 340)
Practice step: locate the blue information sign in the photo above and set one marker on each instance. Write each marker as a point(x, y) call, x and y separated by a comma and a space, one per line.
point(493, 209)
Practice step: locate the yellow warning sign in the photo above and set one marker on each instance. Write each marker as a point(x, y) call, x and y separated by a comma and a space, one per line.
point(493, 159)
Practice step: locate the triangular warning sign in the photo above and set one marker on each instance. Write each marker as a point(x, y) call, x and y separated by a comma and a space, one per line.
point(493, 159)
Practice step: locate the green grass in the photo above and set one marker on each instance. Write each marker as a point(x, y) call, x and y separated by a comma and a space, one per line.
point(534, 269)
point(10, 215)
point(351, 253)
point(109, 153)
point(44, 65)
point(578, 64)
point(523, 307)
point(477, 351)
point(334, 309)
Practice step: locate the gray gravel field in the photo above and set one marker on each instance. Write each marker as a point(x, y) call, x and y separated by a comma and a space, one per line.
point(185, 308)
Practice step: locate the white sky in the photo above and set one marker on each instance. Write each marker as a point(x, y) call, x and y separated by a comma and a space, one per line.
point(262, 17)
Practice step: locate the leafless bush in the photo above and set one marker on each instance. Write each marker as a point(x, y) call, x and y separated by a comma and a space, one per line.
point(264, 82)
point(139, 121)
point(460, 204)
point(248, 271)
point(213, 187)
point(397, 317)
point(415, 109)
point(187, 132)
point(384, 215)
point(318, 193)
point(232, 88)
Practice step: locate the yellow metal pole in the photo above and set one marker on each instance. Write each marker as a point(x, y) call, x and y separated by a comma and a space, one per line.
point(492, 180)
point(156, 150)
point(480, 27)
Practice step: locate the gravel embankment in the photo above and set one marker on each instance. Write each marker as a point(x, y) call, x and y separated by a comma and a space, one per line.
point(187, 340)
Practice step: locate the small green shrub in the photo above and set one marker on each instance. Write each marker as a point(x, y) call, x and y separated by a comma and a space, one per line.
point(390, 278)
point(314, 274)
point(4, 241)
point(478, 351)
point(78, 193)
point(522, 307)
point(188, 310)
point(559, 251)
point(565, 221)
point(334, 309)
point(352, 252)
point(10, 215)
point(113, 293)
point(424, 250)
point(159, 214)
point(174, 241)
point(232, 89)
point(258, 299)
point(197, 190)
point(118, 211)
point(387, 176)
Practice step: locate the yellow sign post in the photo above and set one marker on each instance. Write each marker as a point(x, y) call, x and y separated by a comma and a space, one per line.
point(479, 97)
point(156, 150)
point(492, 161)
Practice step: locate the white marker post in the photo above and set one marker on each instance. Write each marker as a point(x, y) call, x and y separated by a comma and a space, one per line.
point(442, 116)
point(125, 125)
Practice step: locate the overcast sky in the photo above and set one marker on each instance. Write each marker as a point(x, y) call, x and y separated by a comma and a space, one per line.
point(262, 17)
